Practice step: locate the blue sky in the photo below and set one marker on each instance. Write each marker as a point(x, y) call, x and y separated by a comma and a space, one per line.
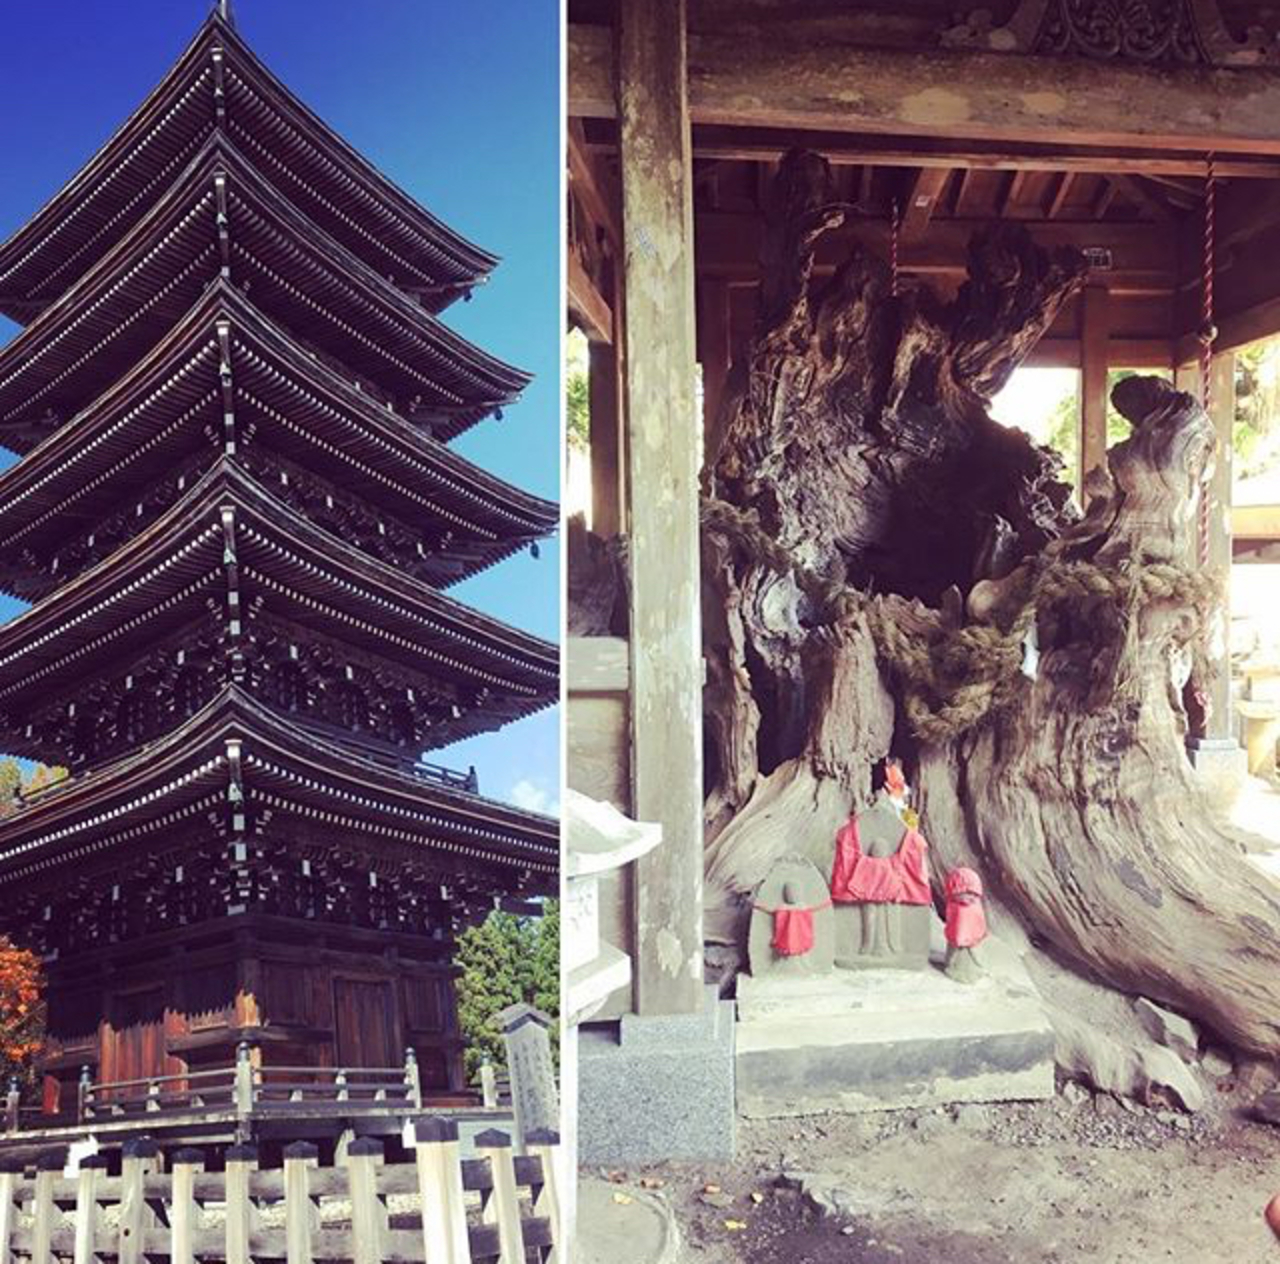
point(459, 105)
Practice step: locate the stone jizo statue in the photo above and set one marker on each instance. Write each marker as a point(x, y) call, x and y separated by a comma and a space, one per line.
point(966, 925)
point(880, 887)
point(791, 922)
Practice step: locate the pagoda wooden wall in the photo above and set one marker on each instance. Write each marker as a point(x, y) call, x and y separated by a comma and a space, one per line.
point(322, 996)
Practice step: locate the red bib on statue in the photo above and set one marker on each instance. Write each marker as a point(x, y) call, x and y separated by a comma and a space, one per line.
point(966, 924)
point(857, 878)
point(792, 931)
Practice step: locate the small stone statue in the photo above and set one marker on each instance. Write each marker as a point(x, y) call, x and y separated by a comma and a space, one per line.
point(880, 885)
point(791, 930)
point(966, 924)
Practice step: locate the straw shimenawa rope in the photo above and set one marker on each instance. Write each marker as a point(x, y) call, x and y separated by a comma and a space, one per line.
point(955, 677)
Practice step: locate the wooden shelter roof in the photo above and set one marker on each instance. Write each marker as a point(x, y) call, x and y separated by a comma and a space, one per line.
point(218, 86)
point(166, 576)
point(235, 751)
point(169, 410)
point(1099, 137)
point(221, 218)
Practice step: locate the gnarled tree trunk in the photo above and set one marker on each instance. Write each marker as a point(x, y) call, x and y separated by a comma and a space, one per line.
point(879, 553)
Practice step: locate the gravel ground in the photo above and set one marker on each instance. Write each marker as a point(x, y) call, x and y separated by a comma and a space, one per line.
point(1072, 1180)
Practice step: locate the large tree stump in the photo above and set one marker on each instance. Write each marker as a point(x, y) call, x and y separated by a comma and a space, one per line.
point(877, 552)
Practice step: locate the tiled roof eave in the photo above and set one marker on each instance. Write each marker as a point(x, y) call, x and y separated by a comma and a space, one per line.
point(457, 264)
point(165, 241)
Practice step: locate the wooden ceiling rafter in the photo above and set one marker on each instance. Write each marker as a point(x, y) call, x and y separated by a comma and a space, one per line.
point(1142, 195)
point(965, 203)
point(1136, 161)
point(1014, 188)
point(1062, 190)
point(924, 191)
point(1106, 196)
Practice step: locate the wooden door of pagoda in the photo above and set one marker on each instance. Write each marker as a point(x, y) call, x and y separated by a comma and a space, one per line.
point(133, 1045)
point(365, 1026)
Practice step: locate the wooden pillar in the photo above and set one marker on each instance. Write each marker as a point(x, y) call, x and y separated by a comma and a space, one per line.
point(1095, 337)
point(1186, 377)
point(662, 480)
point(1222, 412)
point(713, 341)
point(606, 439)
point(1220, 725)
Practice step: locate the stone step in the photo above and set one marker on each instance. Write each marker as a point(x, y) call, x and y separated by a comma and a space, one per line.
point(926, 1042)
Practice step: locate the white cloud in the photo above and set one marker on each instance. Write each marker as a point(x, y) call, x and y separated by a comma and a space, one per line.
point(533, 796)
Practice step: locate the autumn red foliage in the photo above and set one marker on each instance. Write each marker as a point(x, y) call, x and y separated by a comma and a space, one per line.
point(21, 1009)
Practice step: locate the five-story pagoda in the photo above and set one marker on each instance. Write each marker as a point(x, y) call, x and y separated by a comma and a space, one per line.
point(237, 517)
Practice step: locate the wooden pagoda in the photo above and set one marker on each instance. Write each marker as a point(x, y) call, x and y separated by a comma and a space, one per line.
point(237, 515)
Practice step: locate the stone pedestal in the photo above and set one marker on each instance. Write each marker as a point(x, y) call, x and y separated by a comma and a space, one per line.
point(869, 1040)
point(659, 1087)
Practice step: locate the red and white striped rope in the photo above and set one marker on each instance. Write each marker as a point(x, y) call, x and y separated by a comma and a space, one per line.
point(894, 229)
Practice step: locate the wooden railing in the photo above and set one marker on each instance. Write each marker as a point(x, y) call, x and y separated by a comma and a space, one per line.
point(190, 1090)
point(246, 1089)
point(438, 773)
point(243, 1090)
point(446, 1209)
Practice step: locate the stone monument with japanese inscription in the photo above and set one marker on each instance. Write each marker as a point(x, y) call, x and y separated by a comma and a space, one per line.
point(536, 1103)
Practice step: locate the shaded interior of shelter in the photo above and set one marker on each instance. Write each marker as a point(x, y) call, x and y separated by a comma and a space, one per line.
point(1137, 214)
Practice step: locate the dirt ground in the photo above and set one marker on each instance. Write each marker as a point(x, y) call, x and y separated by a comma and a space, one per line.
point(1062, 1182)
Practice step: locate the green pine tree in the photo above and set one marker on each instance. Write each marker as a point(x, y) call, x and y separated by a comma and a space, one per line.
point(506, 960)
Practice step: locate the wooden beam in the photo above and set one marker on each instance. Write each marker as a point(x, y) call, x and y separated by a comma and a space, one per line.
point(1246, 286)
point(1095, 334)
point(1180, 191)
point(666, 630)
point(745, 75)
point(734, 144)
point(585, 183)
point(1144, 255)
point(1243, 212)
point(866, 191)
point(586, 304)
point(1062, 191)
point(1255, 522)
point(597, 664)
point(1122, 353)
point(923, 191)
point(1238, 329)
